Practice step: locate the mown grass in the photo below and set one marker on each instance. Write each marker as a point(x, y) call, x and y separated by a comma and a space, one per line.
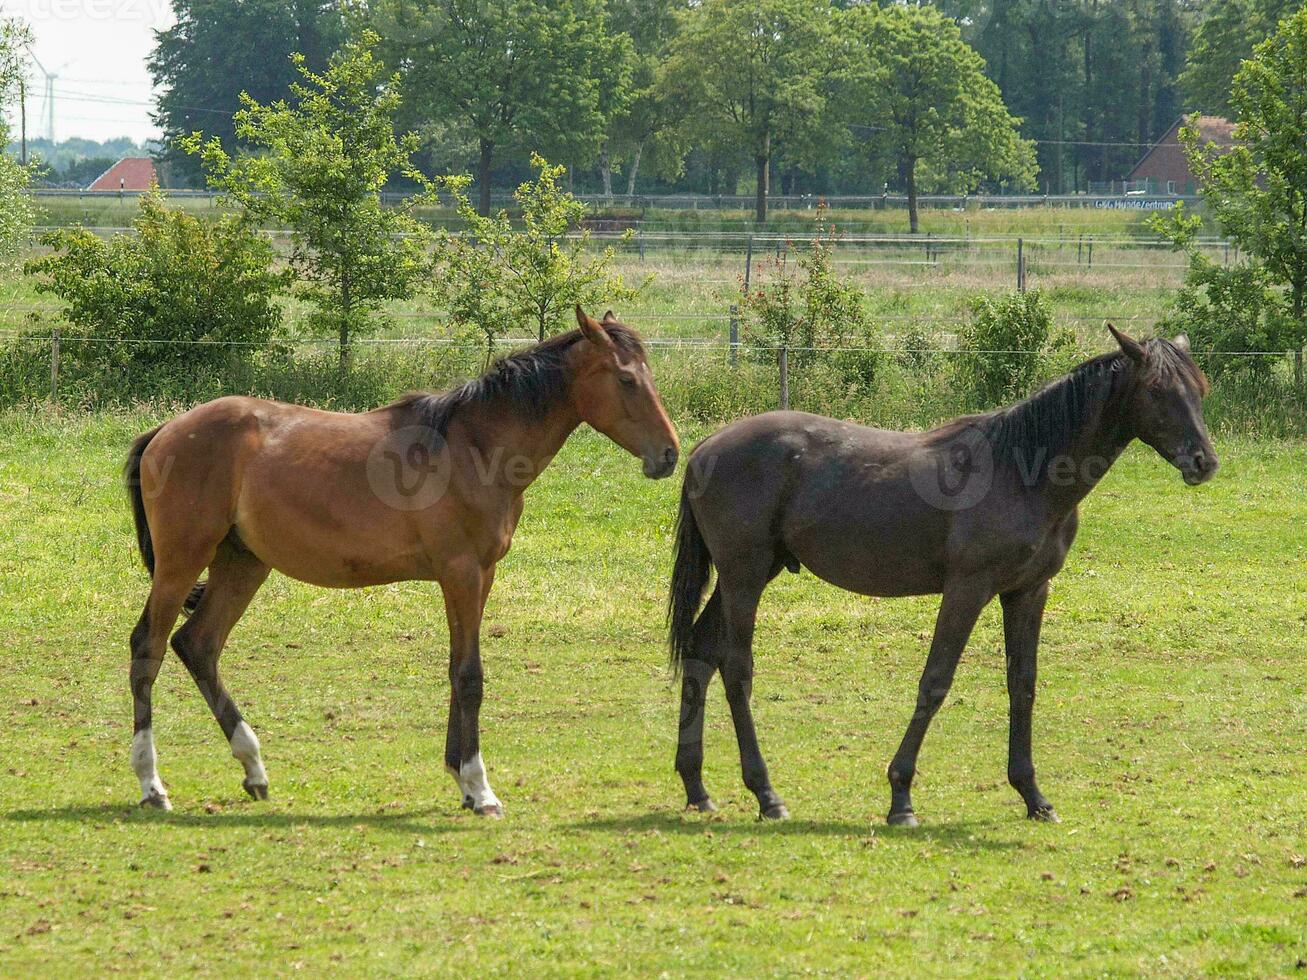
point(1170, 734)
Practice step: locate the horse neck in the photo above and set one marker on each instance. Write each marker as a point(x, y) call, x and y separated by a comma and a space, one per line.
point(1099, 440)
point(514, 448)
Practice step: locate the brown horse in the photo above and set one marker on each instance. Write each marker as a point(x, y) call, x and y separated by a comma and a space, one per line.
point(982, 506)
point(427, 488)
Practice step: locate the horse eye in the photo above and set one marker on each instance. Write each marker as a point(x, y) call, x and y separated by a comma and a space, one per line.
point(627, 381)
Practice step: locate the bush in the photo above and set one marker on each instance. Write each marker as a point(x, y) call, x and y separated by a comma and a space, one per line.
point(173, 297)
point(809, 309)
point(1008, 345)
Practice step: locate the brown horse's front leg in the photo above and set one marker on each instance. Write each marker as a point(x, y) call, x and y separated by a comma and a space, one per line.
point(465, 592)
point(958, 611)
point(1023, 614)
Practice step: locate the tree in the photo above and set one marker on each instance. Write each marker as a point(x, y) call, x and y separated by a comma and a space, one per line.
point(218, 49)
point(534, 75)
point(17, 212)
point(182, 287)
point(1257, 190)
point(750, 74)
point(922, 94)
point(1224, 39)
point(319, 171)
point(495, 278)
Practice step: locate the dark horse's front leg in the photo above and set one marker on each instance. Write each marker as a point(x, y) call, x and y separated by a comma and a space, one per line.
point(1023, 614)
point(465, 592)
point(958, 611)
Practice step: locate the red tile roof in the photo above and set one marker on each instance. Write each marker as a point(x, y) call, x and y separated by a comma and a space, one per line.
point(128, 174)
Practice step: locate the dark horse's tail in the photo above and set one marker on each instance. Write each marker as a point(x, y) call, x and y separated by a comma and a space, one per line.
point(689, 579)
point(144, 542)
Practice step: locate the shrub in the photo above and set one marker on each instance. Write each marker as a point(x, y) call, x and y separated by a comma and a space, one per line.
point(1007, 346)
point(175, 295)
point(809, 309)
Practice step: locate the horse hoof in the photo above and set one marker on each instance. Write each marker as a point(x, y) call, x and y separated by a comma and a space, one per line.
point(1044, 814)
point(495, 811)
point(156, 801)
point(706, 805)
point(905, 819)
point(776, 811)
point(257, 791)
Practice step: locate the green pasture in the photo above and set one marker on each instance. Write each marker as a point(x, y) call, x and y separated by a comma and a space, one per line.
point(1170, 734)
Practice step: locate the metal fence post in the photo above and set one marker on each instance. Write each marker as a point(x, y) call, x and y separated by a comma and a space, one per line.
point(748, 261)
point(640, 238)
point(785, 378)
point(1021, 265)
point(54, 365)
point(1091, 251)
point(735, 334)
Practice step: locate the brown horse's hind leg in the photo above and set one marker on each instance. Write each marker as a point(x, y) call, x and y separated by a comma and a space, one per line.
point(465, 592)
point(739, 611)
point(234, 577)
point(149, 643)
point(696, 674)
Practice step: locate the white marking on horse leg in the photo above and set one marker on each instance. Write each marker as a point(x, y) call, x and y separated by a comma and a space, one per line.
point(458, 778)
point(245, 747)
point(145, 765)
point(475, 785)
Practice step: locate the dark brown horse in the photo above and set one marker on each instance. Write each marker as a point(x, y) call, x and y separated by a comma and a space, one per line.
point(427, 488)
point(983, 506)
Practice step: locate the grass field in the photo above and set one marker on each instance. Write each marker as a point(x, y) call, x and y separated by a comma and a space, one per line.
point(1170, 733)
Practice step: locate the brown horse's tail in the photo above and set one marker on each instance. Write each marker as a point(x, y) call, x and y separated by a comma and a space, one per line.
point(690, 575)
point(144, 542)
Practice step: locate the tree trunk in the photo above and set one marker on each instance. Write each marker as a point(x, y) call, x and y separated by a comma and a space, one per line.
point(346, 312)
point(910, 179)
point(634, 169)
point(1298, 289)
point(760, 198)
point(606, 170)
point(483, 176)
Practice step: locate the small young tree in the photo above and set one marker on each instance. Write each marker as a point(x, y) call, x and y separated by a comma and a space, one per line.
point(1006, 346)
point(1257, 192)
point(495, 278)
point(17, 212)
point(179, 290)
point(319, 171)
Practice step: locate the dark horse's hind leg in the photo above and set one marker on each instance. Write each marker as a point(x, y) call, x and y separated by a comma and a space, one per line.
point(234, 577)
point(1023, 614)
point(739, 611)
point(696, 674)
point(958, 611)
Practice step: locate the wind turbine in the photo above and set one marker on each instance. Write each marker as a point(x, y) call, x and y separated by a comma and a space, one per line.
point(50, 77)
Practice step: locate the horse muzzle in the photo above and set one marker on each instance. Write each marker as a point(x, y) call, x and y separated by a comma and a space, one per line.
point(1198, 467)
point(661, 464)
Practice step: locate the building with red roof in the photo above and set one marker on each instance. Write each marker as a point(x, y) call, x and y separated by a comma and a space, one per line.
point(128, 174)
point(1164, 169)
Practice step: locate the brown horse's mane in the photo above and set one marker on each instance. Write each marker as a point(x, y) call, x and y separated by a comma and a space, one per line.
point(1044, 425)
point(532, 380)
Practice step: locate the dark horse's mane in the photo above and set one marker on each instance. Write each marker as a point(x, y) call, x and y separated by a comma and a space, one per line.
point(1044, 425)
point(531, 380)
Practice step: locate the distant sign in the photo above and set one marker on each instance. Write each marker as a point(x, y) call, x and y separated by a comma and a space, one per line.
point(1134, 204)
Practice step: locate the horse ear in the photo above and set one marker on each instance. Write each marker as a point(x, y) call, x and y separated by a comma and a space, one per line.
point(1132, 347)
point(592, 328)
point(610, 317)
point(1182, 342)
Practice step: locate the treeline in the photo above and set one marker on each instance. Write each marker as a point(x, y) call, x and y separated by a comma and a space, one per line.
point(718, 96)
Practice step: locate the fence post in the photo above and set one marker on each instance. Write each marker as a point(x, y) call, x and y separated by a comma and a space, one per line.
point(640, 238)
point(735, 334)
point(1021, 265)
point(748, 261)
point(1091, 251)
point(54, 365)
point(785, 378)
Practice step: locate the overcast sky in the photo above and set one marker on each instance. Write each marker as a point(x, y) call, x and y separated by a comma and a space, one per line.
point(98, 50)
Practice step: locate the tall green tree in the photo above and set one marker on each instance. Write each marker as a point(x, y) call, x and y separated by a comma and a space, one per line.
point(1223, 39)
point(218, 49)
point(318, 167)
point(17, 212)
point(1257, 192)
point(750, 74)
point(920, 93)
point(509, 75)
